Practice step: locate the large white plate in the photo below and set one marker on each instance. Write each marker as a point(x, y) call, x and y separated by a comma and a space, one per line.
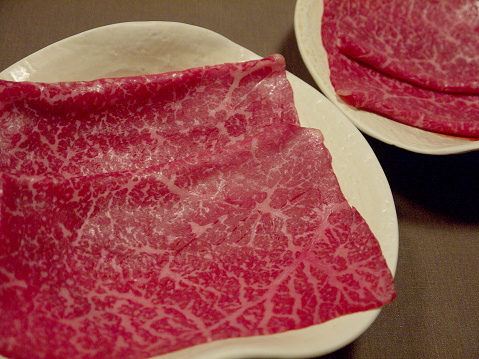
point(151, 47)
point(307, 23)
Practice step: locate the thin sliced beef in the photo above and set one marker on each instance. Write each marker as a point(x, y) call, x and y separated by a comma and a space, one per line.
point(367, 89)
point(139, 216)
point(433, 44)
point(251, 239)
point(109, 125)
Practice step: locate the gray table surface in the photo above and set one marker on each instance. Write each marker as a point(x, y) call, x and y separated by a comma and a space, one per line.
point(436, 311)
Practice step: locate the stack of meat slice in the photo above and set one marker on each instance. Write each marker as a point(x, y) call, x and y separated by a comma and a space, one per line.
point(416, 62)
point(143, 215)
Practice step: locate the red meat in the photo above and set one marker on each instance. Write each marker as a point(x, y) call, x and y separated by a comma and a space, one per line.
point(433, 44)
point(117, 124)
point(139, 216)
point(365, 88)
point(253, 239)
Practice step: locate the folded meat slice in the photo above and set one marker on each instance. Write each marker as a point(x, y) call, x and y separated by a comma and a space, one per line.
point(76, 128)
point(433, 44)
point(251, 239)
point(367, 89)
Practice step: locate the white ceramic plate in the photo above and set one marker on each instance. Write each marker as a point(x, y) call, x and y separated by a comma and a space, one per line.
point(307, 23)
point(152, 47)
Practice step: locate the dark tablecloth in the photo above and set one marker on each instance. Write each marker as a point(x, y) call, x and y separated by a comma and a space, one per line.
point(437, 197)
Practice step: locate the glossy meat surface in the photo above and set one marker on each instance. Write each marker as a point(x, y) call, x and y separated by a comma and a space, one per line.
point(242, 234)
point(368, 89)
point(433, 44)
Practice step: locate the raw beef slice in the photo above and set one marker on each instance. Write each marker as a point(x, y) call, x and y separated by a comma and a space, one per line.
point(433, 44)
point(251, 239)
point(367, 89)
point(77, 128)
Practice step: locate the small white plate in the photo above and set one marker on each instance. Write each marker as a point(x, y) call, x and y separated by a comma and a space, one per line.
point(307, 23)
point(152, 47)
